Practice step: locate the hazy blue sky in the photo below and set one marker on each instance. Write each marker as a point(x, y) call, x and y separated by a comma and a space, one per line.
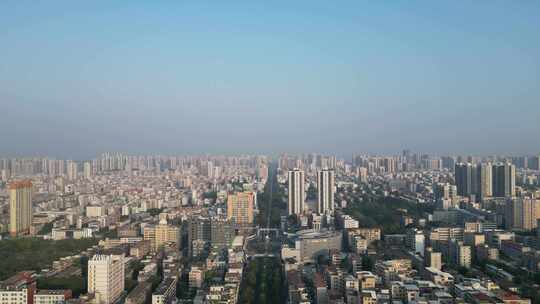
point(81, 77)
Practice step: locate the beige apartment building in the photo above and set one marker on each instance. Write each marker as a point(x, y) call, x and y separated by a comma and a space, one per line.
point(240, 207)
point(20, 207)
point(161, 234)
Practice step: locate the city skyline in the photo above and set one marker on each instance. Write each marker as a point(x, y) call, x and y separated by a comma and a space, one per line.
point(305, 76)
point(255, 152)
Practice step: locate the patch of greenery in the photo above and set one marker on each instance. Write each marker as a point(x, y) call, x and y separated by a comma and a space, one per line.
point(36, 254)
point(272, 197)
point(264, 282)
point(384, 212)
point(154, 211)
point(210, 195)
point(46, 229)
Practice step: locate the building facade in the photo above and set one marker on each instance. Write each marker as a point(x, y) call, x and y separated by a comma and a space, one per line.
point(297, 195)
point(20, 207)
point(106, 276)
point(325, 191)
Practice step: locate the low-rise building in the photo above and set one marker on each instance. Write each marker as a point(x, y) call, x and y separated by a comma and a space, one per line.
point(52, 296)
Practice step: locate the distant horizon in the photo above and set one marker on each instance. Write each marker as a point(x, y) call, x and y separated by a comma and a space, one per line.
point(271, 155)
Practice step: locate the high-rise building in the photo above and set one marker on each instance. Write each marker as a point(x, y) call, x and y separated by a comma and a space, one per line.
point(504, 180)
point(362, 174)
point(433, 258)
point(534, 162)
point(325, 191)
point(106, 277)
point(240, 207)
point(416, 240)
point(522, 213)
point(209, 169)
point(465, 181)
point(221, 233)
point(87, 170)
point(297, 194)
point(199, 231)
point(20, 207)
point(485, 180)
point(445, 195)
point(72, 171)
point(460, 254)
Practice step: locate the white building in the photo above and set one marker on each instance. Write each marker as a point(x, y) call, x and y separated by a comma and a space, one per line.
point(325, 191)
point(72, 171)
point(106, 277)
point(87, 170)
point(297, 195)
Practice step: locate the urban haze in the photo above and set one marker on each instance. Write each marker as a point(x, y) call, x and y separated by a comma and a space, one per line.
point(223, 152)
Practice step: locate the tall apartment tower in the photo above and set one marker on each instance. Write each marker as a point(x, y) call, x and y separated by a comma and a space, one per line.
point(465, 179)
point(87, 170)
point(20, 207)
point(504, 180)
point(106, 277)
point(297, 195)
point(432, 258)
point(522, 213)
point(240, 207)
point(485, 180)
point(72, 171)
point(325, 191)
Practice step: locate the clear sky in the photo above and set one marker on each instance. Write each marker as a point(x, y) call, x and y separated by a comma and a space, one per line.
point(181, 77)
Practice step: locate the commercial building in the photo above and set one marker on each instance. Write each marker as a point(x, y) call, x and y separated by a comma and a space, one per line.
point(59, 296)
point(312, 243)
point(106, 277)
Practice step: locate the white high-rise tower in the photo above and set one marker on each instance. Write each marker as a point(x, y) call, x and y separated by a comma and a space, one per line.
point(106, 277)
point(325, 191)
point(297, 195)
